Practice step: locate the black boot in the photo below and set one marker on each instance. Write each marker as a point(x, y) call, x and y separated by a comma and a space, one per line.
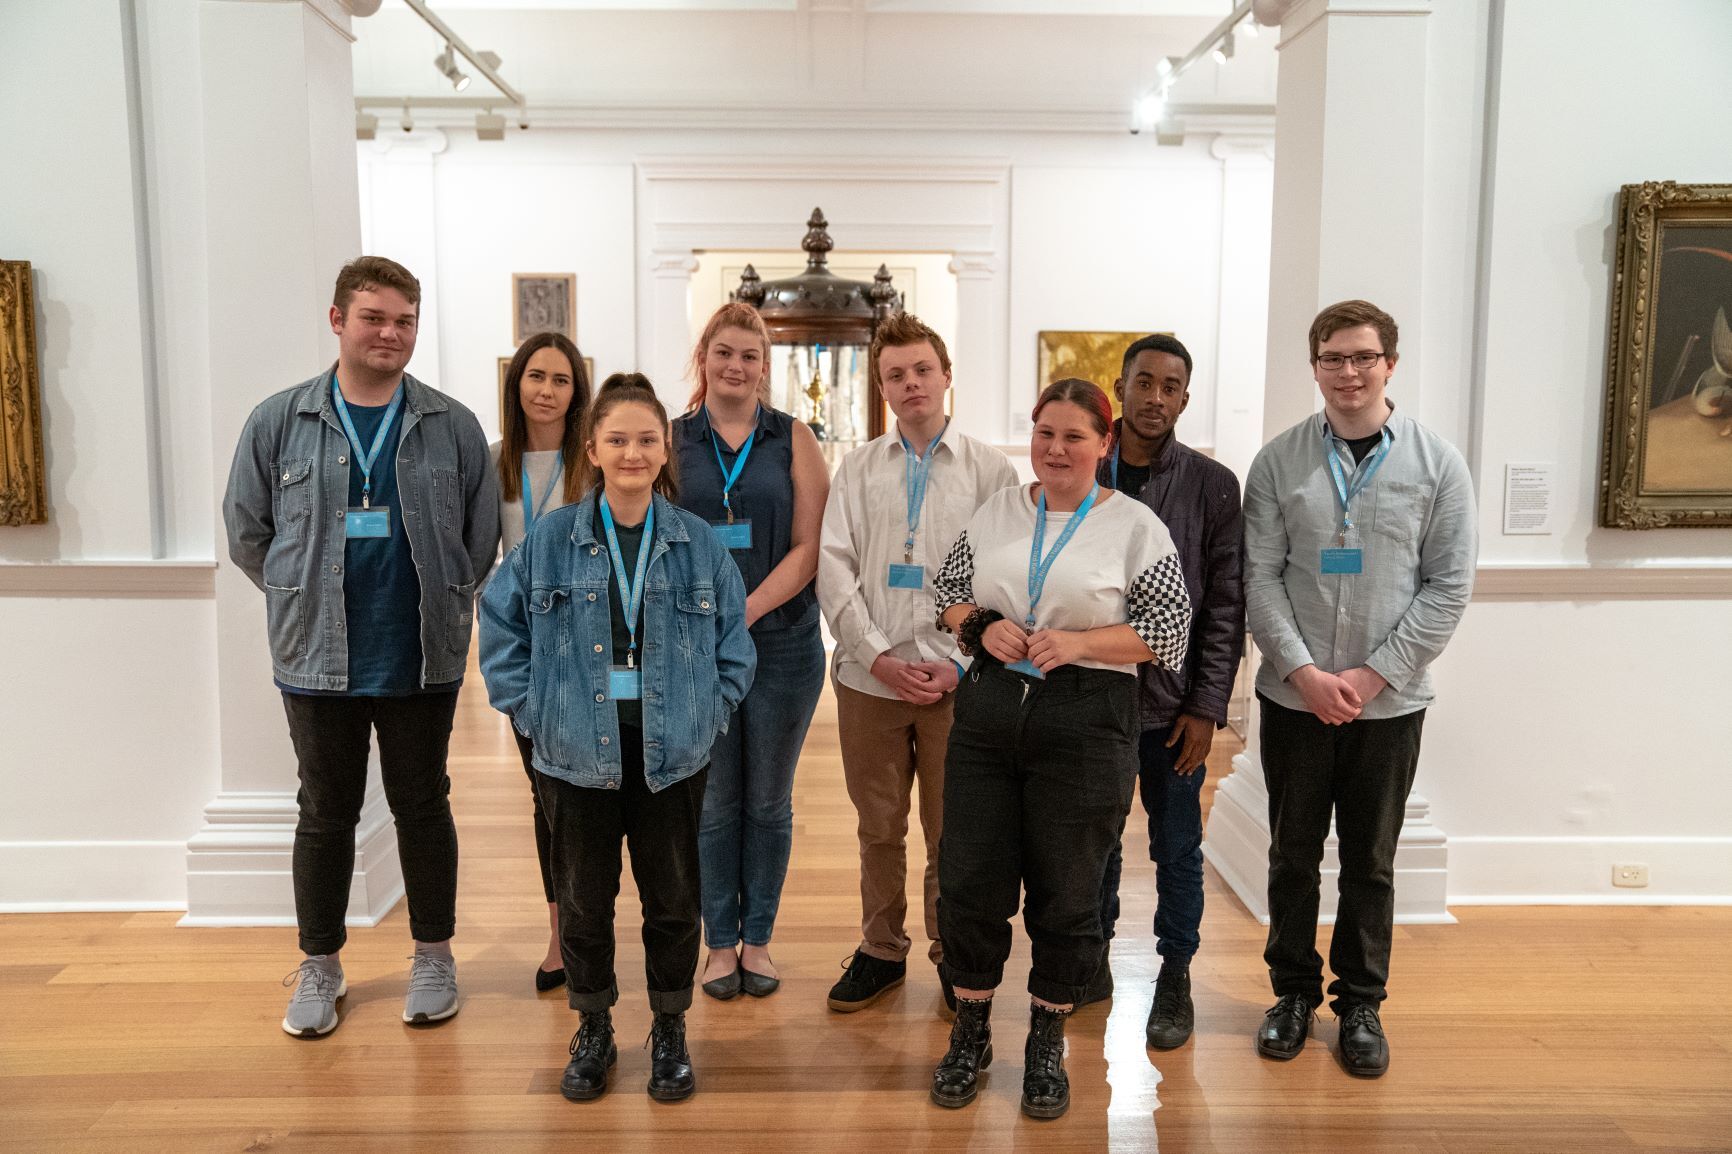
point(1172, 1016)
point(1045, 1089)
point(1100, 987)
point(670, 1065)
point(592, 1053)
point(957, 1079)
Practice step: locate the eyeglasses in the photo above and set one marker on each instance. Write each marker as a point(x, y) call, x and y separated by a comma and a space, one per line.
point(1333, 362)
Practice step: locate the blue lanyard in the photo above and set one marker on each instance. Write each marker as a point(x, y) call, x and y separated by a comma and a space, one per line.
point(918, 469)
point(729, 476)
point(1368, 467)
point(533, 510)
point(630, 591)
point(1038, 568)
point(365, 459)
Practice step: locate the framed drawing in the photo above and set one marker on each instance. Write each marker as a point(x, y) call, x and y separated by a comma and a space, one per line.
point(23, 472)
point(505, 364)
point(1668, 436)
point(1093, 356)
point(543, 302)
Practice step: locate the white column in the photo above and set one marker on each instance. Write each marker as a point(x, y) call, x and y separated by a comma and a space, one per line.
point(670, 324)
point(1348, 199)
point(279, 182)
point(981, 353)
point(1242, 330)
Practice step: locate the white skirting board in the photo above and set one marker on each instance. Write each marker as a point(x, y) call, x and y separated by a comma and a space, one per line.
point(61, 876)
point(238, 865)
point(1577, 870)
point(1238, 847)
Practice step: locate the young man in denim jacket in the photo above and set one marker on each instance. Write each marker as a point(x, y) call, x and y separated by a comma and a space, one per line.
point(362, 504)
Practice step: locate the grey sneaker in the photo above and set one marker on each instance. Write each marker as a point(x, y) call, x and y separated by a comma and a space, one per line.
point(432, 990)
point(318, 984)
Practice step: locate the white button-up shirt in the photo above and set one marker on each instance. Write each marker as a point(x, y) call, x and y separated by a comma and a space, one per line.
point(865, 528)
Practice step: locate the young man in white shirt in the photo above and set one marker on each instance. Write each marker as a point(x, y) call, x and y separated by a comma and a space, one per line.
point(895, 506)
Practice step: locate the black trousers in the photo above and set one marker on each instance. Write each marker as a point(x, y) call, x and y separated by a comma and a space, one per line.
point(661, 831)
point(1361, 772)
point(543, 838)
point(332, 736)
point(1038, 778)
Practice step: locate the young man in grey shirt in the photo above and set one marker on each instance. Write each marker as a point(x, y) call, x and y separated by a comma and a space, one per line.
point(1359, 557)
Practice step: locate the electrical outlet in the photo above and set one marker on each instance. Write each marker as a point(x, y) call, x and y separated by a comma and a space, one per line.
point(1630, 875)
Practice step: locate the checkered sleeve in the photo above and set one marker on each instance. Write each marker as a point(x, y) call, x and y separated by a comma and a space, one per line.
point(954, 584)
point(1160, 611)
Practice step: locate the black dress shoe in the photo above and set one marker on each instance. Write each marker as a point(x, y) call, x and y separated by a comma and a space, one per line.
point(1045, 1087)
point(1172, 1017)
point(956, 1080)
point(1285, 1027)
point(1364, 1050)
point(725, 987)
point(546, 980)
point(1100, 987)
point(757, 985)
point(865, 981)
point(670, 1064)
point(592, 1054)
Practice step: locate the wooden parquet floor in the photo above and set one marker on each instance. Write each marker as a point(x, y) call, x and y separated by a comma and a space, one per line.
point(1554, 1029)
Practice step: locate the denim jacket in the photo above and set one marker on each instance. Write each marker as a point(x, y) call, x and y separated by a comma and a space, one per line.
point(547, 644)
point(287, 493)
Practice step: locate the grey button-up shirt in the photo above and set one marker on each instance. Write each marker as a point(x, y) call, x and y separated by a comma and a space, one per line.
point(1416, 526)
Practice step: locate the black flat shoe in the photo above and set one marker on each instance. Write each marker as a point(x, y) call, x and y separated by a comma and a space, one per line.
point(757, 985)
point(1285, 1027)
point(1364, 1050)
point(725, 987)
point(546, 980)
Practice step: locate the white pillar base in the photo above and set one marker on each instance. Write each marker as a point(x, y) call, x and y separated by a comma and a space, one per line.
point(238, 865)
point(1238, 847)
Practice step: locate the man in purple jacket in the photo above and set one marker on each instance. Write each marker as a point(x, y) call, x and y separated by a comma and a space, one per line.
point(1198, 501)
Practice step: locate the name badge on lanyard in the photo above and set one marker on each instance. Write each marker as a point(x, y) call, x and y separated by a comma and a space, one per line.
point(908, 575)
point(1342, 560)
point(625, 682)
point(366, 521)
point(1038, 568)
point(736, 533)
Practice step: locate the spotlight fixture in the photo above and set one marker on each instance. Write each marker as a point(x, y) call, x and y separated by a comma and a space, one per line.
point(1249, 27)
point(446, 63)
point(408, 122)
point(1166, 64)
point(366, 126)
point(1223, 51)
point(489, 126)
point(1151, 108)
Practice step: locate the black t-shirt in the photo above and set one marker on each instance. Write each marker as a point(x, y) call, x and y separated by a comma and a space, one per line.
point(1132, 478)
point(1362, 446)
point(630, 541)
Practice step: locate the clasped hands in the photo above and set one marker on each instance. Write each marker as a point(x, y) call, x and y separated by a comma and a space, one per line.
point(1337, 698)
point(916, 682)
point(1045, 649)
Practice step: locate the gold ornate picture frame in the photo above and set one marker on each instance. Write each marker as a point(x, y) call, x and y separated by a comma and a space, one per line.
point(1667, 458)
point(23, 472)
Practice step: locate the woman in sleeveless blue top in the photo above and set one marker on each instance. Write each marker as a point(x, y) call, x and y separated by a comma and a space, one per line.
point(758, 477)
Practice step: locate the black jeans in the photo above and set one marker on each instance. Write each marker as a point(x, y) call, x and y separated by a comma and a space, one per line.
point(1174, 804)
point(1363, 772)
point(526, 750)
point(1038, 778)
point(661, 830)
point(332, 736)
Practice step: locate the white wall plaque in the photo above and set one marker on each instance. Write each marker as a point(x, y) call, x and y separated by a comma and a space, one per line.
point(1527, 498)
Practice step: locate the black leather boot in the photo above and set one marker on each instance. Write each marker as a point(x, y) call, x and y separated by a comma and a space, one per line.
point(1045, 1088)
point(1172, 1017)
point(592, 1053)
point(670, 1064)
point(957, 1079)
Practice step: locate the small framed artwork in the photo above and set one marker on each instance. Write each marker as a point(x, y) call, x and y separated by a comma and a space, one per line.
point(23, 472)
point(1093, 356)
point(1668, 434)
point(505, 366)
point(543, 302)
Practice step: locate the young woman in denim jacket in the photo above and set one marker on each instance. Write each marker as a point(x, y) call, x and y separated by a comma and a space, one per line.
point(615, 639)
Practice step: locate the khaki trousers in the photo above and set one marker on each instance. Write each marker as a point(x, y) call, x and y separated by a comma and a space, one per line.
point(888, 744)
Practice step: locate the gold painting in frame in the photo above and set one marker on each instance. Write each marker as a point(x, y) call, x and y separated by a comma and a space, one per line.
point(543, 302)
point(1667, 457)
point(23, 471)
point(1093, 356)
point(505, 364)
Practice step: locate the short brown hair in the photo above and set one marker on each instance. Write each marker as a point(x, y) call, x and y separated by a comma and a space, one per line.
point(902, 330)
point(368, 273)
point(1350, 315)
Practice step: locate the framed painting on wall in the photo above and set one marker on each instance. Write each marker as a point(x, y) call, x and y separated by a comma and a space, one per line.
point(1093, 356)
point(23, 472)
point(505, 364)
point(1667, 457)
point(543, 302)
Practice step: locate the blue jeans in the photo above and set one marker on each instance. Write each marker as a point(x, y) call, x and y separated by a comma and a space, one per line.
point(747, 828)
point(1174, 805)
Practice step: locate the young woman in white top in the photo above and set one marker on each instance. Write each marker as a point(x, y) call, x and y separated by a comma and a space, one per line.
point(1058, 591)
point(539, 461)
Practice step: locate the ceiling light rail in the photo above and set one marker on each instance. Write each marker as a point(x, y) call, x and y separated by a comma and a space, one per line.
point(488, 124)
point(1151, 108)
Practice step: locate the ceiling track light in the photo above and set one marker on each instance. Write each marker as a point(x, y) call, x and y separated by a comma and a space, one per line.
point(446, 63)
point(1218, 45)
point(489, 126)
point(408, 121)
point(1223, 50)
point(366, 126)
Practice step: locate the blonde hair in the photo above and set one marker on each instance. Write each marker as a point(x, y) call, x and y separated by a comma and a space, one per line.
point(733, 315)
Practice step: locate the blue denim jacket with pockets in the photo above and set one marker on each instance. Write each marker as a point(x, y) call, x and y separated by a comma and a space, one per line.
point(287, 494)
point(547, 645)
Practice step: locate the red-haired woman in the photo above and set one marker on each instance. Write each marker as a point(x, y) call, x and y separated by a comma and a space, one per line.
point(539, 460)
point(757, 476)
point(1058, 590)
